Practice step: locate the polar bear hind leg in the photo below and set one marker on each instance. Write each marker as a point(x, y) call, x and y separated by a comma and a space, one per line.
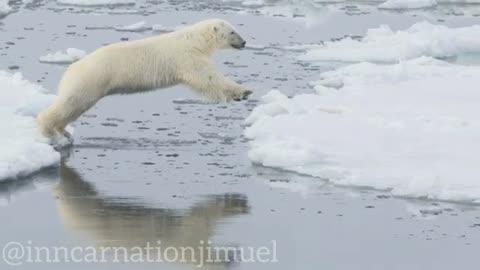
point(54, 120)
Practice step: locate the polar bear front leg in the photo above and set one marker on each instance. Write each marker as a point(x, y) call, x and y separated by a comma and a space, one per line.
point(214, 85)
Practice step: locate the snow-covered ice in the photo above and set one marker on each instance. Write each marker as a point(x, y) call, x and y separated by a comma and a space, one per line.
point(411, 128)
point(23, 150)
point(407, 4)
point(69, 56)
point(382, 44)
point(96, 2)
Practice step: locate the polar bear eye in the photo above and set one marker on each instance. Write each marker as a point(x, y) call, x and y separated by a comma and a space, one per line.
point(232, 32)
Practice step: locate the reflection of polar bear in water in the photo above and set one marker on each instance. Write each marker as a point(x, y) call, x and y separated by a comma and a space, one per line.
point(131, 225)
point(143, 65)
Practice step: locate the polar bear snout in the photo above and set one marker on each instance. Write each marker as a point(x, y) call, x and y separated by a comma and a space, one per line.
point(239, 45)
point(237, 41)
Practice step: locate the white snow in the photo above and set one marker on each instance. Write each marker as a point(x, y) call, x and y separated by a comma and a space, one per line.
point(96, 2)
point(4, 7)
point(23, 149)
point(385, 45)
point(407, 4)
point(69, 56)
point(135, 27)
point(411, 128)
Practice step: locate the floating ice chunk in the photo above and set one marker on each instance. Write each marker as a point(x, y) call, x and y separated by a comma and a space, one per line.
point(385, 45)
point(410, 128)
point(214, 135)
point(23, 149)
point(69, 56)
point(96, 2)
point(136, 27)
point(407, 4)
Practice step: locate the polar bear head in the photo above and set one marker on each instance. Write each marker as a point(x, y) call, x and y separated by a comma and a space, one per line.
point(227, 36)
point(220, 34)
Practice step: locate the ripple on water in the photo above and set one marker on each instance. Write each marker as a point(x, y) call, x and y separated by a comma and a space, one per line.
point(130, 143)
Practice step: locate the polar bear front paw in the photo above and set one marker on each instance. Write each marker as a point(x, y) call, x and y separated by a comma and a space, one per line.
point(241, 95)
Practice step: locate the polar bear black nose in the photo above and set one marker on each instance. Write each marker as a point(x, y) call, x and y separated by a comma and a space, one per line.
point(243, 43)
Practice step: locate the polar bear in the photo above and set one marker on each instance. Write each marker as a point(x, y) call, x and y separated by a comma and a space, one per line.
point(180, 57)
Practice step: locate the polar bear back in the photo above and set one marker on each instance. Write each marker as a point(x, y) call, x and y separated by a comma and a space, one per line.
point(137, 64)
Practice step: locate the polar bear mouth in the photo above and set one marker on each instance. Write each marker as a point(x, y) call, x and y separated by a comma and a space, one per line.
point(239, 46)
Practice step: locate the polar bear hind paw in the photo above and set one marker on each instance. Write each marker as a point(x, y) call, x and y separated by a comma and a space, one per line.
point(62, 142)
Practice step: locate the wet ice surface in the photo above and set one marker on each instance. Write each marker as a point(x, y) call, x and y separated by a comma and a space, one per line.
point(168, 166)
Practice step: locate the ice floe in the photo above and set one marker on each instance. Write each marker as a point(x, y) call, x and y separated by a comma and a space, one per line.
point(23, 149)
point(382, 44)
point(135, 27)
point(411, 128)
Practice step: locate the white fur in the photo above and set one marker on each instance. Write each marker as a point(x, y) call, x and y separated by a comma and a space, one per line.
point(142, 65)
